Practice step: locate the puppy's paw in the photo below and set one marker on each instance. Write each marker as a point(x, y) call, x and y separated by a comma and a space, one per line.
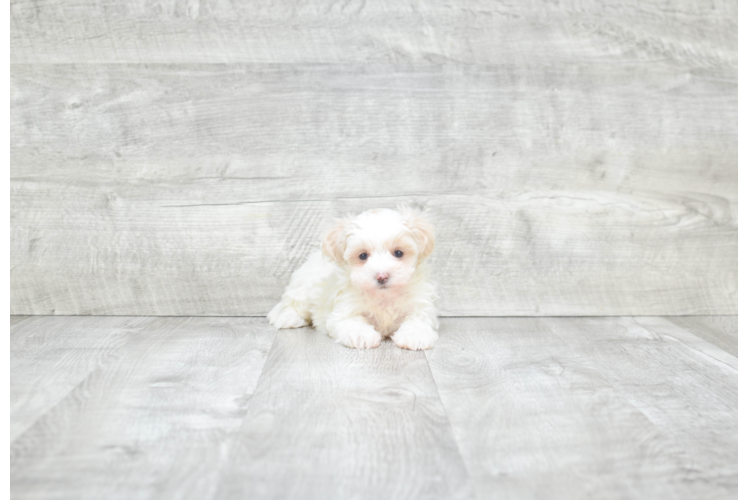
point(415, 335)
point(281, 317)
point(357, 335)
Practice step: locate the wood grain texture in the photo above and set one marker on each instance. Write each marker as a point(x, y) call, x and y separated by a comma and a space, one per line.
point(501, 408)
point(156, 422)
point(373, 32)
point(331, 422)
point(588, 408)
point(742, 410)
point(722, 331)
point(14, 320)
point(672, 332)
point(50, 356)
point(168, 229)
point(277, 133)
point(579, 159)
point(528, 254)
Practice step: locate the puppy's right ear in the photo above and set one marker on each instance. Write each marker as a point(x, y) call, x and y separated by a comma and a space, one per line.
point(333, 243)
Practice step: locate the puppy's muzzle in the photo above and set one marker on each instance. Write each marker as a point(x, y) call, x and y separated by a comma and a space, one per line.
point(382, 278)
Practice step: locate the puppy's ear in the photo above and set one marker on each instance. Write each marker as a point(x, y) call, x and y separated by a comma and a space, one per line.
point(422, 231)
point(333, 243)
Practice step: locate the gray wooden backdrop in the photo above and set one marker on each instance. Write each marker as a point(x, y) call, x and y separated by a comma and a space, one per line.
point(182, 157)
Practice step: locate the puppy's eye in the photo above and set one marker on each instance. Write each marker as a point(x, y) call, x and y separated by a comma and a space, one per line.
point(398, 254)
point(363, 256)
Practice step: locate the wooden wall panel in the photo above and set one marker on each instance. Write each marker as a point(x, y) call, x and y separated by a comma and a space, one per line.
point(576, 159)
point(316, 132)
point(694, 32)
point(119, 248)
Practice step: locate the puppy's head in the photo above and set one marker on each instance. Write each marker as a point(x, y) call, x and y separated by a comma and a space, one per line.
point(382, 248)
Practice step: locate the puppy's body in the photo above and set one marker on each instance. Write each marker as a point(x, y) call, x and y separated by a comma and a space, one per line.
point(369, 281)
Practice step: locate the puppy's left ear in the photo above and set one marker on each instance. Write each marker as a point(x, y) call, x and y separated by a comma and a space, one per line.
point(421, 229)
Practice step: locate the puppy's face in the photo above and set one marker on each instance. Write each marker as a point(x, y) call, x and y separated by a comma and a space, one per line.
point(381, 247)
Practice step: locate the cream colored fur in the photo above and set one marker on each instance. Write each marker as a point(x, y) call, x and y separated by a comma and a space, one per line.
point(358, 301)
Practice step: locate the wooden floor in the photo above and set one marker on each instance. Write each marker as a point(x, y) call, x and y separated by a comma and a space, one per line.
point(187, 407)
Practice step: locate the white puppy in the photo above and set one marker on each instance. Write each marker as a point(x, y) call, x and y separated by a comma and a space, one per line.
point(369, 281)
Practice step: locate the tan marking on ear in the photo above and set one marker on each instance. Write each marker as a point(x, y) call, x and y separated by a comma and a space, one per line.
point(422, 230)
point(333, 243)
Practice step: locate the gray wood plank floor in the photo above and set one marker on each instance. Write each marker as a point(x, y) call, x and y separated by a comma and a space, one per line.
point(743, 434)
point(154, 421)
point(329, 421)
point(52, 356)
point(141, 407)
point(588, 408)
point(14, 320)
point(722, 331)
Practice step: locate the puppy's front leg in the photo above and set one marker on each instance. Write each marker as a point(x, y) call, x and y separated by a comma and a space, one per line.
point(417, 333)
point(354, 332)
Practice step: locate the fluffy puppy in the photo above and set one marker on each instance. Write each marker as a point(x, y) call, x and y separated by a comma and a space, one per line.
point(369, 281)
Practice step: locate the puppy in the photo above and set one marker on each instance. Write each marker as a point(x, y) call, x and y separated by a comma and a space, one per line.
point(369, 281)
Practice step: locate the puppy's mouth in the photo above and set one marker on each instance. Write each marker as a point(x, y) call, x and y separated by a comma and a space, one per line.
point(382, 286)
point(389, 286)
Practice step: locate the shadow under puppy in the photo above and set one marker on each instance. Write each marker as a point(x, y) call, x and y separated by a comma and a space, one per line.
point(369, 281)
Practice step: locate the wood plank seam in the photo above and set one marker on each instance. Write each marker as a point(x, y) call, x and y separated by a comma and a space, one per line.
point(460, 445)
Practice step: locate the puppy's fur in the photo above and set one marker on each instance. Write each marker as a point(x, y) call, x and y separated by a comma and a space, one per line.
point(359, 288)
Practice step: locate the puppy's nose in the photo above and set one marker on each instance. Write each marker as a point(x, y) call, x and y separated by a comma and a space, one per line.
point(382, 278)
